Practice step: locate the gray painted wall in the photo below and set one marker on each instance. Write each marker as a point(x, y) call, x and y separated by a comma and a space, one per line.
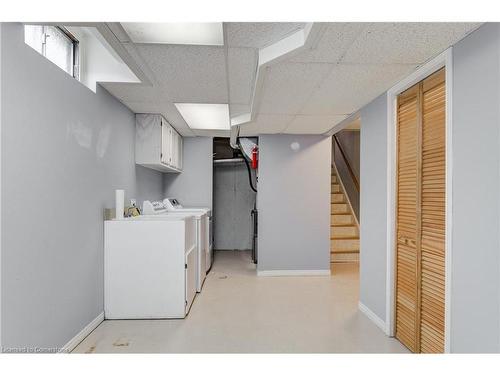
point(475, 314)
point(64, 151)
point(475, 269)
point(350, 141)
point(193, 187)
point(294, 202)
point(233, 203)
point(373, 204)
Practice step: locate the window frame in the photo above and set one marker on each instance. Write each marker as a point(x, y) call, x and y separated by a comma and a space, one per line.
point(75, 51)
point(75, 66)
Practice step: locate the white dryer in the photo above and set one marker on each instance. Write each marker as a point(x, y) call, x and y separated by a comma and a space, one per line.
point(173, 205)
point(158, 208)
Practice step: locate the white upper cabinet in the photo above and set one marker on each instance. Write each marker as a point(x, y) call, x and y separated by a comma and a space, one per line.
point(157, 144)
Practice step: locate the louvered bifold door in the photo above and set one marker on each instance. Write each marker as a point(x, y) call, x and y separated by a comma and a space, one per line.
point(420, 215)
point(433, 214)
point(407, 220)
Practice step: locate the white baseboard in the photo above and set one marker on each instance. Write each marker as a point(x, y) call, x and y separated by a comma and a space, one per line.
point(294, 273)
point(372, 316)
point(80, 336)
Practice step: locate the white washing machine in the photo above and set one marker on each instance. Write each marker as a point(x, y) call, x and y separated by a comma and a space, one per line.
point(173, 205)
point(149, 267)
point(157, 208)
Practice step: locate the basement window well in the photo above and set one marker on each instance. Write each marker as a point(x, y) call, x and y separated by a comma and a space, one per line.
point(56, 44)
point(80, 51)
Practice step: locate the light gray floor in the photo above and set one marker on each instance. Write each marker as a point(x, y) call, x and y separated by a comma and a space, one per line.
point(240, 312)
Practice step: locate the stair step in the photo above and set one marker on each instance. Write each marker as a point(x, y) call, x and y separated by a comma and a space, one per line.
point(338, 198)
point(349, 231)
point(342, 219)
point(344, 257)
point(340, 208)
point(344, 244)
point(334, 179)
point(336, 188)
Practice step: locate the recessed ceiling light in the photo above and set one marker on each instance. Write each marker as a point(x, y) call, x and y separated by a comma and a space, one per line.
point(205, 116)
point(201, 33)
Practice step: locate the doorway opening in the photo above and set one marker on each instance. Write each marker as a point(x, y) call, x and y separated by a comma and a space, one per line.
point(345, 194)
point(420, 215)
point(235, 203)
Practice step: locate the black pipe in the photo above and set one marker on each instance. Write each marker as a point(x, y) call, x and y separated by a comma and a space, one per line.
point(249, 174)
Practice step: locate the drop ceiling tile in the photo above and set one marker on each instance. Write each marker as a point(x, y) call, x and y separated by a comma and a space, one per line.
point(305, 124)
point(288, 86)
point(117, 29)
point(333, 44)
point(272, 124)
point(242, 68)
point(349, 87)
point(144, 107)
point(194, 74)
point(239, 109)
point(136, 92)
point(258, 34)
point(413, 42)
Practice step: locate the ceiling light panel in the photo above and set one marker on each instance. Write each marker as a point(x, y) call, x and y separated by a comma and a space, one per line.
point(205, 116)
point(202, 33)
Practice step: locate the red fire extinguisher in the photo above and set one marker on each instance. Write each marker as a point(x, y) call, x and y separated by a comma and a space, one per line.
point(255, 157)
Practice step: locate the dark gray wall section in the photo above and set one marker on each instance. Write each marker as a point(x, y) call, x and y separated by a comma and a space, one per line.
point(233, 203)
point(294, 203)
point(373, 199)
point(193, 187)
point(350, 141)
point(475, 261)
point(64, 151)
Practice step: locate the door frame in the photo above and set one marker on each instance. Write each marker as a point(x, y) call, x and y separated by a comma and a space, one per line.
point(440, 61)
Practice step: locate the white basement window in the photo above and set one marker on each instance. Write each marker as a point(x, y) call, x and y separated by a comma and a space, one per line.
point(56, 44)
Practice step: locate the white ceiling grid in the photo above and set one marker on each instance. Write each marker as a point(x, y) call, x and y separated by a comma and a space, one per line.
point(190, 74)
point(259, 34)
point(347, 66)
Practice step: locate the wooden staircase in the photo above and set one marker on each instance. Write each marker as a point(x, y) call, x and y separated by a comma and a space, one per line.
point(344, 230)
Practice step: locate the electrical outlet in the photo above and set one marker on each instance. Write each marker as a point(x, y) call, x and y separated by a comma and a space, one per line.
point(133, 202)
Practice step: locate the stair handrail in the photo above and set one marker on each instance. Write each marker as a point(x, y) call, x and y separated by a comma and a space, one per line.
point(351, 172)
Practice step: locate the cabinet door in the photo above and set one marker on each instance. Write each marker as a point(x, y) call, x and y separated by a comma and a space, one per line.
point(175, 147)
point(433, 214)
point(166, 143)
point(408, 218)
point(180, 150)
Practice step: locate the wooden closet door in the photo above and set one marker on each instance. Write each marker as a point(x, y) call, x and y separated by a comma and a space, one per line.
point(420, 224)
point(433, 214)
point(407, 217)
